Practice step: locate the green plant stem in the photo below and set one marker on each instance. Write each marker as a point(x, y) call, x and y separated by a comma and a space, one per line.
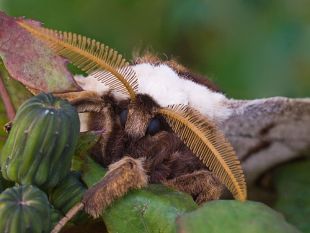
point(71, 213)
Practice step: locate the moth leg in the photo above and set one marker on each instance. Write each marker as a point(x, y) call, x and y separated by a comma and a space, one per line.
point(126, 174)
point(78, 97)
point(201, 185)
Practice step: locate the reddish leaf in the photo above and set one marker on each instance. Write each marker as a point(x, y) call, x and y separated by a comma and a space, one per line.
point(30, 61)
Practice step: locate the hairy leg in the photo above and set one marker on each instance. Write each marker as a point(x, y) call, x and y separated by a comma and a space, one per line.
point(202, 185)
point(123, 175)
point(126, 174)
point(78, 96)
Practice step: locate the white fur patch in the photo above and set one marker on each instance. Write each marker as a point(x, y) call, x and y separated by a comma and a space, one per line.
point(165, 86)
point(90, 83)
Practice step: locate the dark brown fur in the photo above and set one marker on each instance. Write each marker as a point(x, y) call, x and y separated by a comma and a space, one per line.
point(202, 185)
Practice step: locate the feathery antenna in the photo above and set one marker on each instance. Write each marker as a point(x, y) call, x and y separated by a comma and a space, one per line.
point(94, 58)
point(209, 144)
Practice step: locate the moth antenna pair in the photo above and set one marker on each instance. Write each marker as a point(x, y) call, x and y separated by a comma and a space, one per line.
point(109, 67)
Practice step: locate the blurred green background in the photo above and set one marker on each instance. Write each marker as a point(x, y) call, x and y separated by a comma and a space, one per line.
point(250, 48)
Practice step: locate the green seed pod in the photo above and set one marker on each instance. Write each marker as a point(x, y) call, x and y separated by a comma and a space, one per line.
point(56, 216)
point(41, 142)
point(24, 209)
point(67, 193)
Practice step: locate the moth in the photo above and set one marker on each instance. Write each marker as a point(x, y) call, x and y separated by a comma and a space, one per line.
point(159, 122)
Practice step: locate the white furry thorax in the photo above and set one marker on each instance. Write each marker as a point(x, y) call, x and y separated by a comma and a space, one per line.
point(166, 87)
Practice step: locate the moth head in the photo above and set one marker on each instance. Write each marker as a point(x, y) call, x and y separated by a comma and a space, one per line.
point(140, 117)
point(196, 131)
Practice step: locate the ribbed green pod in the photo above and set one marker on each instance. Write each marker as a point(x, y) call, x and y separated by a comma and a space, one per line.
point(67, 193)
point(24, 209)
point(41, 142)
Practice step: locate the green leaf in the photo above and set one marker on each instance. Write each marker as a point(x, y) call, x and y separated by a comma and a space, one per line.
point(18, 93)
point(86, 141)
point(292, 185)
point(152, 209)
point(234, 217)
point(92, 172)
point(30, 61)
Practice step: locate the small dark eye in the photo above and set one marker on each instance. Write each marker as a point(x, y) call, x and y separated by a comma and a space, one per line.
point(123, 116)
point(154, 126)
